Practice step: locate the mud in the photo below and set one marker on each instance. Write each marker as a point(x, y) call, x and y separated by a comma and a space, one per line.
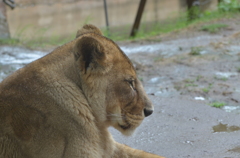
point(225, 128)
point(185, 74)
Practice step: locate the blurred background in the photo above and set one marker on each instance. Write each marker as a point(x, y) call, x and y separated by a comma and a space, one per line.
point(33, 20)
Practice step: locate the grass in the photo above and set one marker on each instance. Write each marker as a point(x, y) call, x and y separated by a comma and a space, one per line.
point(52, 41)
point(213, 28)
point(189, 81)
point(217, 104)
point(224, 78)
point(229, 5)
point(195, 51)
point(198, 77)
point(182, 22)
point(190, 85)
point(207, 89)
point(164, 27)
point(38, 41)
point(10, 41)
point(221, 78)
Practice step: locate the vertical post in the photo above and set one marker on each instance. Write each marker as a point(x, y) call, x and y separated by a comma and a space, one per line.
point(106, 16)
point(4, 30)
point(138, 18)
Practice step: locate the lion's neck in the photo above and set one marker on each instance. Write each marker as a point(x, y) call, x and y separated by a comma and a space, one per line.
point(94, 89)
point(80, 93)
point(64, 82)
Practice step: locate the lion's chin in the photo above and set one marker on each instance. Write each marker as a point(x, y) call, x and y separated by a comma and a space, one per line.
point(128, 125)
point(126, 130)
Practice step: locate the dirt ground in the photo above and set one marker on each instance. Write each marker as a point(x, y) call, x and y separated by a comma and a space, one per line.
point(184, 73)
point(195, 64)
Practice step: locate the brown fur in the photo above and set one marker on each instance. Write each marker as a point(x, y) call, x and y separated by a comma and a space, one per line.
point(62, 104)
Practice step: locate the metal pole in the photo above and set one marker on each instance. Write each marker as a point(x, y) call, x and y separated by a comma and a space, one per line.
point(10, 3)
point(138, 18)
point(106, 15)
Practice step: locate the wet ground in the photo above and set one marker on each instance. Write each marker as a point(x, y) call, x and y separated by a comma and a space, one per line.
point(187, 75)
point(193, 63)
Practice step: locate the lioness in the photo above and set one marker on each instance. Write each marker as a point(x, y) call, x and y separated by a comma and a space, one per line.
point(62, 104)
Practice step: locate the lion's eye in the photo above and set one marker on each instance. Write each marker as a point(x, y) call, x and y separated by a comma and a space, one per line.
point(132, 84)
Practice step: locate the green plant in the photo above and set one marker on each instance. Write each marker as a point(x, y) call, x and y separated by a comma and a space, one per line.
point(217, 104)
point(229, 5)
point(198, 77)
point(224, 78)
point(207, 89)
point(195, 51)
point(193, 13)
point(213, 28)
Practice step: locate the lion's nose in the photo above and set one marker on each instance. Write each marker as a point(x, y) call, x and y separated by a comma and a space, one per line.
point(147, 112)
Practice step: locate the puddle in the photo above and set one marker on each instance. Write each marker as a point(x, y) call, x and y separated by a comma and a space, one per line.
point(162, 48)
point(13, 58)
point(236, 149)
point(18, 55)
point(225, 128)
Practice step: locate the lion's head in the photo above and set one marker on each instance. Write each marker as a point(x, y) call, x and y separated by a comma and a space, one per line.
point(109, 81)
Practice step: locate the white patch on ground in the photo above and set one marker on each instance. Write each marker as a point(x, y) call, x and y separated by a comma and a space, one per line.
point(199, 98)
point(226, 74)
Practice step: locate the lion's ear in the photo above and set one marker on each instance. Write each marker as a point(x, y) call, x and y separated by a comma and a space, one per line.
point(90, 53)
point(88, 29)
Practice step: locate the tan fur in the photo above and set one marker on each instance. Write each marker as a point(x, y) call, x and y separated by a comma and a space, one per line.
point(62, 104)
